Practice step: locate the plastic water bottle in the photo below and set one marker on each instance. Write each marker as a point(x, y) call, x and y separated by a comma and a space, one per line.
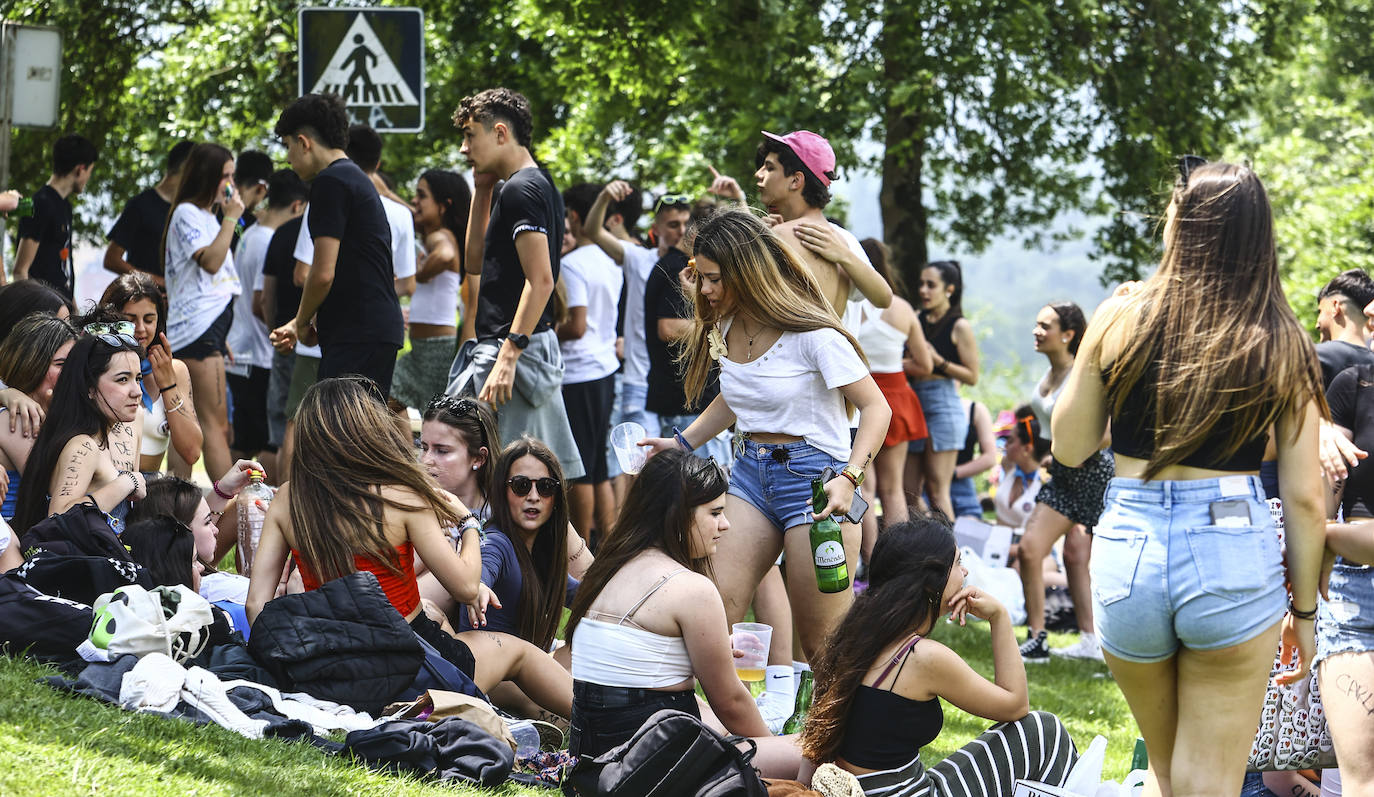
point(827, 546)
point(804, 689)
point(252, 502)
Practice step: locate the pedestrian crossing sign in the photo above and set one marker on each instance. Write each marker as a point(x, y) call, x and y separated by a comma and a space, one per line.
point(374, 58)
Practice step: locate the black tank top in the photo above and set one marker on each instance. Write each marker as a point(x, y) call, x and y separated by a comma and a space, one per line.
point(970, 440)
point(940, 334)
point(885, 730)
point(1133, 431)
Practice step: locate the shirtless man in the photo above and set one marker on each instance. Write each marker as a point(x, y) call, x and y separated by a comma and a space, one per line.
point(793, 176)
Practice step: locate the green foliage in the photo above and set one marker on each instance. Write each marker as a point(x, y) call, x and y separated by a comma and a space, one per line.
point(995, 117)
point(1315, 153)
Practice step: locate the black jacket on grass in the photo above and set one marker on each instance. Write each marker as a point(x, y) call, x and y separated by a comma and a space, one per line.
point(343, 642)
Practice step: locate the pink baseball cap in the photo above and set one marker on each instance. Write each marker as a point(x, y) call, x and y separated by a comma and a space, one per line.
point(813, 150)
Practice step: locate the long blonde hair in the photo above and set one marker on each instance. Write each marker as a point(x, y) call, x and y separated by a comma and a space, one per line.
point(347, 447)
point(766, 281)
point(1212, 328)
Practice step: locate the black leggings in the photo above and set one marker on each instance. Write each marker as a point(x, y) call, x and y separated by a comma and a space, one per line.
point(605, 717)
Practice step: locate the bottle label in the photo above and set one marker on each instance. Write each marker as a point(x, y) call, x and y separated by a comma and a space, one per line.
point(829, 554)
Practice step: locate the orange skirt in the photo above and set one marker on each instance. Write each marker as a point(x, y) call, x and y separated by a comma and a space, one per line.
point(908, 422)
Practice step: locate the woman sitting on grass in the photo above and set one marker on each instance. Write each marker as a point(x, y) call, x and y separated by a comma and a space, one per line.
point(30, 361)
point(359, 501)
point(459, 442)
point(648, 623)
point(879, 682)
point(526, 557)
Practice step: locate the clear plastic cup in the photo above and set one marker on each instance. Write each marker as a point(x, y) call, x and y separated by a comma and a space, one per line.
point(751, 639)
point(625, 442)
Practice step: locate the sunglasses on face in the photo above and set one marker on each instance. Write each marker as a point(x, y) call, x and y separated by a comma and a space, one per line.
point(672, 201)
point(520, 485)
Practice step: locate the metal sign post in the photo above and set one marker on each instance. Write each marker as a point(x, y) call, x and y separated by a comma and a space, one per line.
point(374, 58)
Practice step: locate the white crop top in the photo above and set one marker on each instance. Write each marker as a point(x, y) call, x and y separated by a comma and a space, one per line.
point(882, 343)
point(793, 388)
point(1043, 406)
point(436, 301)
point(615, 654)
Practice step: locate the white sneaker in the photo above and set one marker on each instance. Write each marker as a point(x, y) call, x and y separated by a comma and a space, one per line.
point(774, 716)
point(1087, 647)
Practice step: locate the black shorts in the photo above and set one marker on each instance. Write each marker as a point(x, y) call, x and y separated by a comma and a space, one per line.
point(250, 410)
point(1078, 493)
point(605, 717)
point(212, 342)
point(455, 650)
point(589, 415)
point(376, 361)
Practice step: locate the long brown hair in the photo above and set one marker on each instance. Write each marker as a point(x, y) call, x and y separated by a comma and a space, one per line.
point(1214, 341)
point(908, 572)
point(26, 355)
point(657, 513)
point(200, 179)
point(766, 281)
point(543, 566)
point(347, 447)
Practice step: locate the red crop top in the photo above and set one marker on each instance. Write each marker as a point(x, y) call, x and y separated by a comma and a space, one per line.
point(402, 590)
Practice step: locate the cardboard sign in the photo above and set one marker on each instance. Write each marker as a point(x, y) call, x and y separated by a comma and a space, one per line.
point(991, 543)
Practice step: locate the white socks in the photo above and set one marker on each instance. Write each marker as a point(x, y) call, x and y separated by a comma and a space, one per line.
point(780, 689)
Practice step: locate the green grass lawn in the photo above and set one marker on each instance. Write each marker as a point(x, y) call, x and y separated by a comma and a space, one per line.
point(54, 744)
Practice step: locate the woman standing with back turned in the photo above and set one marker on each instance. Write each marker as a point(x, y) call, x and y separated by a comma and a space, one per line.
point(1187, 577)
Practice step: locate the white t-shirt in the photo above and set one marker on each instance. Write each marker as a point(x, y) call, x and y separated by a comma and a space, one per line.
point(248, 340)
point(592, 280)
point(639, 263)
point(793, 388)
point(305, 252)
point(402, 222)
point(195, 297)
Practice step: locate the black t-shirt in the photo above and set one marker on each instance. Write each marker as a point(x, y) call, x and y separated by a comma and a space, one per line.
point(528, 202)
point(280, 262)
point(1352, 406)
point(361, 306)
point(139, 230)
point(663, 299)
point(51, 226)
point(1337, 355)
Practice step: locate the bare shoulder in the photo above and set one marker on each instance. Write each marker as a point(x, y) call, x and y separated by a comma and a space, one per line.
point(80, 448)
point(900, 313)
point(928, 663)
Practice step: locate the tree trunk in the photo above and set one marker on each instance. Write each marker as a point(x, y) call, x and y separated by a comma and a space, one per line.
point(904, 214)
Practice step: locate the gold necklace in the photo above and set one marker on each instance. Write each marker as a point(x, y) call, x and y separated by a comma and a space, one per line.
point(749, 336)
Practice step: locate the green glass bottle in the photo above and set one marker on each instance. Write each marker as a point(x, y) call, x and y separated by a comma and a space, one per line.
point(827, 546)
point(798, 719)
point(24, 208)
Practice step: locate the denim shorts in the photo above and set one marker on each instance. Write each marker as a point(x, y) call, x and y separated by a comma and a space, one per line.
point(1345, 622)
point(776, 479)
point(946, 418)
point(1163, 575)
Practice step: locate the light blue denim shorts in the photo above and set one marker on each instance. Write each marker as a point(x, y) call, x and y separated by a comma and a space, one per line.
point(1345, 622)
point(776, 479)
point(1164, 575)
point(946, 418)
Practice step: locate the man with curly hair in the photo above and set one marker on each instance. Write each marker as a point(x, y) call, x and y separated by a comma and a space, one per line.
point(513, 246)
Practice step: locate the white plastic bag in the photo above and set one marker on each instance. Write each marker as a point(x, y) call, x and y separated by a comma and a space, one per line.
point(1086, 775)
point(1002, 583)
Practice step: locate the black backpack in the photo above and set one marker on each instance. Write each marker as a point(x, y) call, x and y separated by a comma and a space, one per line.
point(671, 755)
point(80, 531)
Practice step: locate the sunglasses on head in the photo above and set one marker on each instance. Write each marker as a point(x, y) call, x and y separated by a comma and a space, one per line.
point(461, 407)
point(1186, 165)
point(116, 334)
point(672, 201)
point(520, 485)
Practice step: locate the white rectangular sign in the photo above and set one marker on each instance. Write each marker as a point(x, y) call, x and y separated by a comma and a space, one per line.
point(36, 75)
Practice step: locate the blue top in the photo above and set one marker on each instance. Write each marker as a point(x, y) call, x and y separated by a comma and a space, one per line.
point(501, 573)
point(11, 496)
